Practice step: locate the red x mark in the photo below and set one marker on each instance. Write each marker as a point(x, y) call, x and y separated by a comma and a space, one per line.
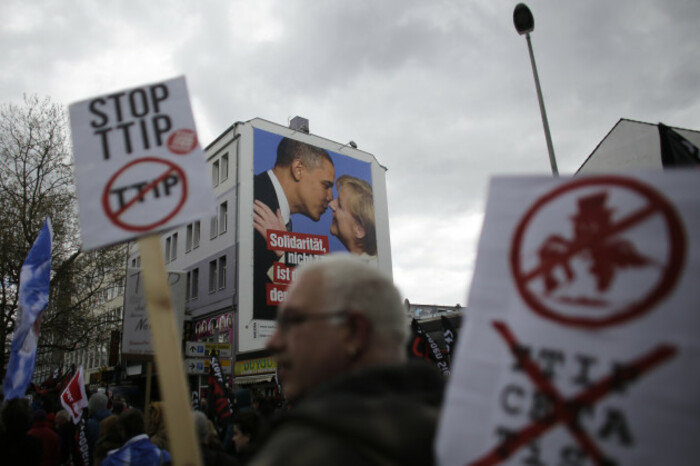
point(563, 410)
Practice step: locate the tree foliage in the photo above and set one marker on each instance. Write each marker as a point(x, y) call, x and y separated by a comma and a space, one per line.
point(36, 181)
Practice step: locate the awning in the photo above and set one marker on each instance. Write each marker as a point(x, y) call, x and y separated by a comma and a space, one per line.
point(251, 379)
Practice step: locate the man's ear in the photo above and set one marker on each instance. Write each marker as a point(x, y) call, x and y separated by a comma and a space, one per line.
point(296, 169)
point(359, 334)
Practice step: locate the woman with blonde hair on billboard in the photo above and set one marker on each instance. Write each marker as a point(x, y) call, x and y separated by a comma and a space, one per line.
point(353, 217)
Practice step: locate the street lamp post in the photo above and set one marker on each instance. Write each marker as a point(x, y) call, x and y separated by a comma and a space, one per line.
point(524, 24)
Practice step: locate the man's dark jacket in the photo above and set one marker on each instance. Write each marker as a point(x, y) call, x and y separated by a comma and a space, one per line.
point(384, 415)
point(264, 191)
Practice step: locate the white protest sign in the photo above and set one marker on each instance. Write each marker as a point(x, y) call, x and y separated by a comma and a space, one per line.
point(138, 163)
point(582, 337)
point(136, 334)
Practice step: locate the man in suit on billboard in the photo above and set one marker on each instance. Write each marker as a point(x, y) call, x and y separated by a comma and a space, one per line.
point(301, 182)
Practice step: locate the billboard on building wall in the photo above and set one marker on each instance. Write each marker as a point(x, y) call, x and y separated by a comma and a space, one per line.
point(301, 197)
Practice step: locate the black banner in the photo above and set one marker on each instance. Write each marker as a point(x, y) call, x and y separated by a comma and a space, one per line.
point(434, 349)
point(450, 335)
point(676, 151)
point(81, 456)
point(218, 392)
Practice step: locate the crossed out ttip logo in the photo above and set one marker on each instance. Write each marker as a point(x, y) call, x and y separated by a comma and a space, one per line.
point(618, 252)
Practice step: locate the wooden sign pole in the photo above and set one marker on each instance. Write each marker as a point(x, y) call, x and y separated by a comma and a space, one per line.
point(168, 355)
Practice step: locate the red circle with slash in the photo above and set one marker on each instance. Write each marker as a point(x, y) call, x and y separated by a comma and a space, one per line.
point(656, 204)
point(114, 215)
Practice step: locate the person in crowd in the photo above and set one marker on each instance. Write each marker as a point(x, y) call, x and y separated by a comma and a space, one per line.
point(247, 429)
point(265, 406)
point(110, 439)
point(212, 452)
point(301, 182)
point(156, 425)
point(118, 404)
point(137, 449)
point(43, 429)
point(353, 216)
point(340, 348)
point(203, 406)
point(66, 431)
point(97, 411)
point(17, 448)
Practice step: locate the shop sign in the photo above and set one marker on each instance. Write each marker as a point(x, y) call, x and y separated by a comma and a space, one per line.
point(255, 366)
point(201, 366)
point(199, 349)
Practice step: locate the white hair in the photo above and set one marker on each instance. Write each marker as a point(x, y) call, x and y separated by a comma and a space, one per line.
point(349, 283)
point(201, 424)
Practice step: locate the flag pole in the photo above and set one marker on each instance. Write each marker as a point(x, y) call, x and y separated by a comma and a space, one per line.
point(179, 421)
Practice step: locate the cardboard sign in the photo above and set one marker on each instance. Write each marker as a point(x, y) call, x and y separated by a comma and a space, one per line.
point(136, 330)
point(138, 164)
point(581, 342)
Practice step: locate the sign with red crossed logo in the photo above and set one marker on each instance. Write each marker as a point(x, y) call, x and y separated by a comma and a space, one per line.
point(138, 163)
point(580, 344)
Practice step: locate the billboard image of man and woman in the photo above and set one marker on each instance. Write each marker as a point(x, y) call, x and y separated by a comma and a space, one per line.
point(308, 202)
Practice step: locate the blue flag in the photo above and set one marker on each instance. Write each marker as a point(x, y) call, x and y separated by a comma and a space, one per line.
point(34, 283)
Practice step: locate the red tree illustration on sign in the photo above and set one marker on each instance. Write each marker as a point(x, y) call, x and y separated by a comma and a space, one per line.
point(591, 222)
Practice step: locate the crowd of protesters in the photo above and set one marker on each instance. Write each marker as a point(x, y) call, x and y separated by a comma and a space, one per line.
point(119, 434)
point(348, 394)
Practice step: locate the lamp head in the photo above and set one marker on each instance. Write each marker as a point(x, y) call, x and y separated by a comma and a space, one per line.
point(522, 19)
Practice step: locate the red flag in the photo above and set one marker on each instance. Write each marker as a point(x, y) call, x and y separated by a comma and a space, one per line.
point(73, 398)
point(65, 378)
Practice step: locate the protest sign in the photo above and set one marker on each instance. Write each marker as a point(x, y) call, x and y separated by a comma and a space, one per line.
point(139, 167)
point(581, 342)
point(140, 170)
point(136, 328)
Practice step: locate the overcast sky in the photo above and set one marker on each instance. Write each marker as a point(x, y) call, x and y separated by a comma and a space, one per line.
point(441, 92)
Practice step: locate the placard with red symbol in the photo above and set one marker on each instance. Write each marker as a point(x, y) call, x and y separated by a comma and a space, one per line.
point(138, 163)
point(580, 343)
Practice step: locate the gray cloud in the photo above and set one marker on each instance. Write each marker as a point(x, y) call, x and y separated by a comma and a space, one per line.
point(441, 92)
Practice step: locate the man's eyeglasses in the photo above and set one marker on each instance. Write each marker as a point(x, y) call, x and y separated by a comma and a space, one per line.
point(289, 320)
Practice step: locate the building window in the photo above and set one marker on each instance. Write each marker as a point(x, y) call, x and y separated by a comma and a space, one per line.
point(212, 276)
point(188, 238)
point(167, 249)
point(188, 286)
point(173, 250)
point(223, 217)
point(215, 173)
point(214, 227)
point(224, 167)
point(195, 235)
point(195, 284)
point(222, 272)
point(136, 262)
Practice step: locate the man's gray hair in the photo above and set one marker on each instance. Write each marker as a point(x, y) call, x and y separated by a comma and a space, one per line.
point(201, 425)
point(350, 283)
point(98, 402)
